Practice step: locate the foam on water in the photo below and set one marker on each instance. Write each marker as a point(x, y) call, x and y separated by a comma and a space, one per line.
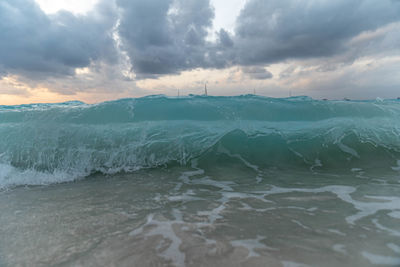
point(11, 176)
point(252, 245)
point(51, 143)
point(381, 260)
point(190, 216)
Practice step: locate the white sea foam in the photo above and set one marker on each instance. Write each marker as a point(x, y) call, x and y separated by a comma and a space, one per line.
point(337, 232)
point(395, 214)
point(380, 259)
point(386, 229)
point(394, 247)
point(164, 228)
point(11, 176)
point(252, 245)
point(344, 193)
point(339, 248)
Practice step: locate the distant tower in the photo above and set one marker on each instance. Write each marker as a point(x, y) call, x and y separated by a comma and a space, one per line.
point(205, 89)
point(178, 93)
point(254, 91)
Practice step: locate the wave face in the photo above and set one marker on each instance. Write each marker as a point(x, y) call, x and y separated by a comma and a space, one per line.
point(48, 143)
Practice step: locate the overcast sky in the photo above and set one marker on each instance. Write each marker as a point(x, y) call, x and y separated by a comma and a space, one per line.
point(96, 50)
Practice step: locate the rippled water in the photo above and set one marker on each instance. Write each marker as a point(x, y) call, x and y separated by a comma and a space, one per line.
point(228, 215)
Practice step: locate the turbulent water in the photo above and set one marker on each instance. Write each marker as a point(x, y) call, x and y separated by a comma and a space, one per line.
point(201, 181)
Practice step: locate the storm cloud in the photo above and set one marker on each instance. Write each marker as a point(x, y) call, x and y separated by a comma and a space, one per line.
point(167, 37)
point(162, 37)
point(258, 73)
point(273, 31)
point(37, 45)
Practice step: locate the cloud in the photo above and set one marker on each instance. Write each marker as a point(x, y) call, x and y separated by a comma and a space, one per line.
point(166, 37)
point(37, 45)
point(10, 86)
point(155, 38)
point(274, 31)
point(170, 36)
point(257, 73)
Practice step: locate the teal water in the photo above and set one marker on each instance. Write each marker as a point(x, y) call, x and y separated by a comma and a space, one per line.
point(201, 181)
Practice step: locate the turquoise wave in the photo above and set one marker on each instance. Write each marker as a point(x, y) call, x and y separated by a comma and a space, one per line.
point(199, 108)
point(45, 143)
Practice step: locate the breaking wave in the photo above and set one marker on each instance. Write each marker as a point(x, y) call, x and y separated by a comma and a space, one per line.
point(49, 143)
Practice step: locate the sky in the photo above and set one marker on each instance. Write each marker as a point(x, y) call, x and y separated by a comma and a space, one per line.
point(98, 50)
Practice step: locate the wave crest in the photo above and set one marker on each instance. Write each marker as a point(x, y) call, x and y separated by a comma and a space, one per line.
point(52, 143)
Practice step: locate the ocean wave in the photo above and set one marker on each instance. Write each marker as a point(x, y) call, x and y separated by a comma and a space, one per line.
point(46, 143)
point(199, 108)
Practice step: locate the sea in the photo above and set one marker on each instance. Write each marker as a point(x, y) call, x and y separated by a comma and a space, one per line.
point(201, 181)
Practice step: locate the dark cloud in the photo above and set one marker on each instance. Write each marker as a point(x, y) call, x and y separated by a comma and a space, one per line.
point(257, 73)
point(167, 37)
point(224, 39)
point(273, 31)
point(34, 44)
point(164, 36)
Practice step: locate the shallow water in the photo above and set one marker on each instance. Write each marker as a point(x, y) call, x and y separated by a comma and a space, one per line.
point(228, 215)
